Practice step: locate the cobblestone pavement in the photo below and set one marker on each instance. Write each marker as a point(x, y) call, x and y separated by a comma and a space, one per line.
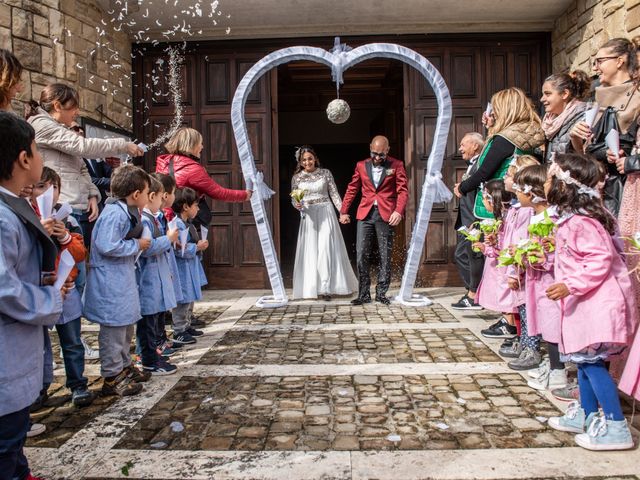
point(322, 390)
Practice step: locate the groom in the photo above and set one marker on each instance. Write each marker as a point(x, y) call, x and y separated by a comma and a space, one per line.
point(382, 181)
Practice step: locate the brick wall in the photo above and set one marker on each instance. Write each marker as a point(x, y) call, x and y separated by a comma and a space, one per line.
point(587, 24)
point(55, 40)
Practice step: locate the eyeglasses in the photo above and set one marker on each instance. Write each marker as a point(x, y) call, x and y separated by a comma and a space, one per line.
point(598, 61)
point(381, 156)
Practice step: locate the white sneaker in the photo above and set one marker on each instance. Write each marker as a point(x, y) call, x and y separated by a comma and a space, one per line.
point(36, 429)
point(89, 353)
point(542, 370)
point(552, 379)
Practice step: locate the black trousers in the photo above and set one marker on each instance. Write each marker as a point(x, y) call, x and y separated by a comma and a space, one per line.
point(373, 227)
point(470, 264)
point(13, 433)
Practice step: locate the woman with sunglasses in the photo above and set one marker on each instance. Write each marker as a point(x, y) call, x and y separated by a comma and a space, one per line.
point(618, 100)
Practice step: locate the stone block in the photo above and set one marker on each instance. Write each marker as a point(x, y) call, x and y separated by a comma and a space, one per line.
point(613, 6)
point(28, 53)
point(614, 23)
point(632, 20)
point(42, 40)
point(71, 73)
point(346, 442)
point(56, 24)
point(47, 60)
point(21, 23)
point(51, 3)
point(5, 15)
point(59, 60)
point(629, 4)
point(5, 38)
point(41, 25)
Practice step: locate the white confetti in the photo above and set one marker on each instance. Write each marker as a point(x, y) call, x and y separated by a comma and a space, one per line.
point(176, 427)
point(158, 445)
point(392, 437)
point(442, 426)
point(542, 419)
point(461, 401)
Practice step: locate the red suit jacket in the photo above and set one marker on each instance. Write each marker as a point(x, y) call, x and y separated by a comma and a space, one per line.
point(391, 194)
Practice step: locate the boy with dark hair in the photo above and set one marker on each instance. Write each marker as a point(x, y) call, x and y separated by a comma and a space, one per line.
point(111, 295)
point(192, 276)
point(28, 298)
point(156, 287)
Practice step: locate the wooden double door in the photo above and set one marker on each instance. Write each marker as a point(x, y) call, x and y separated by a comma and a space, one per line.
point(473, 66)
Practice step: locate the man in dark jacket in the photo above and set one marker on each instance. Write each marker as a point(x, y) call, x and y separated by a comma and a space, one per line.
point(469, 263)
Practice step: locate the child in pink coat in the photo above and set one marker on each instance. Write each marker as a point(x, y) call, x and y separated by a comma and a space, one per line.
point(493, 292)
point(543, 314)
point(596, 302)
point(526, 351)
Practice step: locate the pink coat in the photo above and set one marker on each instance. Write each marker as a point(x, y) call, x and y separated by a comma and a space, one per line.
point(601, 307)
point(515, 229)
point(543, 314)
point(493, 292)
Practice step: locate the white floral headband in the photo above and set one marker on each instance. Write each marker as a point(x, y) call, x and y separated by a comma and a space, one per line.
point(527, 189)
point(565, 176)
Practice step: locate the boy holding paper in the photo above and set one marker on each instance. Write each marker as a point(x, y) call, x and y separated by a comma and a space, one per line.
point(68, 237)
point(192, 276)
point(28, 299)
point(156, 287)
point(111, 296)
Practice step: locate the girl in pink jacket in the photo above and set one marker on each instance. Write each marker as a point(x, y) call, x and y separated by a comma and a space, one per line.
point(493, 292)
point(597, 306)
point(543, 314)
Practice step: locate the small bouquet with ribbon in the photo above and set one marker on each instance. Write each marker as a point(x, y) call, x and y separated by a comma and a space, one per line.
point(489, 226)
point(543, 230)
point(297, 195)
point(527, 251)
point(472, 234)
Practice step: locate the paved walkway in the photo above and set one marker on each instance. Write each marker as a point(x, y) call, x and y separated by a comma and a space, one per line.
point(322, 390)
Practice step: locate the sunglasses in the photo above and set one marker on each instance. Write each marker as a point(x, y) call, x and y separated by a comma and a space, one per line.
point(379, 155)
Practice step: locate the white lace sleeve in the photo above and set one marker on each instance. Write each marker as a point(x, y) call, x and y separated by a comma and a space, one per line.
point(333, 190)
point(295, 181)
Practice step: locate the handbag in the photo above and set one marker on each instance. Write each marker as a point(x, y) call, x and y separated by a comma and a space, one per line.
point(204, 215)
point(614, 184)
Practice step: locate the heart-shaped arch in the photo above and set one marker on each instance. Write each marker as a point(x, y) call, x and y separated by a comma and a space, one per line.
point(433, 190)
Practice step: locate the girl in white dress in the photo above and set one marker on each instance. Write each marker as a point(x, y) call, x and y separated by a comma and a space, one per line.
point(322, 266)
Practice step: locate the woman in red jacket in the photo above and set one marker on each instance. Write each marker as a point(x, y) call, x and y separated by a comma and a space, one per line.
point(183, 163)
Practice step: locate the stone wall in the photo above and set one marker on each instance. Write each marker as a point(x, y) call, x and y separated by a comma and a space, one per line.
point(57, 41)
point(587, 24)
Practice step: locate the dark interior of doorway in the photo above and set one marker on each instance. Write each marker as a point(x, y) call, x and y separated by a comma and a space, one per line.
point(374, 93)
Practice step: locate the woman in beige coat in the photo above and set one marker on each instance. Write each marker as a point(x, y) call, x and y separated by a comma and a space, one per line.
point(63, 150)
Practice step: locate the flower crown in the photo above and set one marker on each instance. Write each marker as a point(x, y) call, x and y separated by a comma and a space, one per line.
point(565, 176)
point(527, 189)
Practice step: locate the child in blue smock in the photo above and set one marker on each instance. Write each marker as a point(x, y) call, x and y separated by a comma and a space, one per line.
point(111, 296)
point(156, 287)
point(165, 346)
point(192, 276)
point(28, 300)
point(67, 234)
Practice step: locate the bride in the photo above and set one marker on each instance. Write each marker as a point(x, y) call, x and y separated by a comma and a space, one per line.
point(322, 265)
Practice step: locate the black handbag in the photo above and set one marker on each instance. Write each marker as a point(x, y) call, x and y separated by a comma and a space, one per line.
point(614, 184)
point(204, 215)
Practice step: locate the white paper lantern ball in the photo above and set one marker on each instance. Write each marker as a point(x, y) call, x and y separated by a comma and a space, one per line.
point(338, 111)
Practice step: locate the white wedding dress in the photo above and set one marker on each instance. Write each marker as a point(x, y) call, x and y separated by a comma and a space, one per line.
point(322, 265)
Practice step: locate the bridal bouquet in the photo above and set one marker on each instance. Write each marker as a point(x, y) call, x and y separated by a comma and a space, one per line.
point(471, 234)
point(526, 251)
point(543, 230)
point(297, 195)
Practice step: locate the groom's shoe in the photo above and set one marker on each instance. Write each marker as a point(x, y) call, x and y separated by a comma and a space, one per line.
point(360, 301)
point(383, 299)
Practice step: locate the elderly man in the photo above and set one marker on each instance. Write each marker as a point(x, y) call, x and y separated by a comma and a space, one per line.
point(470, 264)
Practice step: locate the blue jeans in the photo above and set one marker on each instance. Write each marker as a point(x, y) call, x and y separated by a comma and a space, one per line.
point(13, 433)
point(73, 352)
